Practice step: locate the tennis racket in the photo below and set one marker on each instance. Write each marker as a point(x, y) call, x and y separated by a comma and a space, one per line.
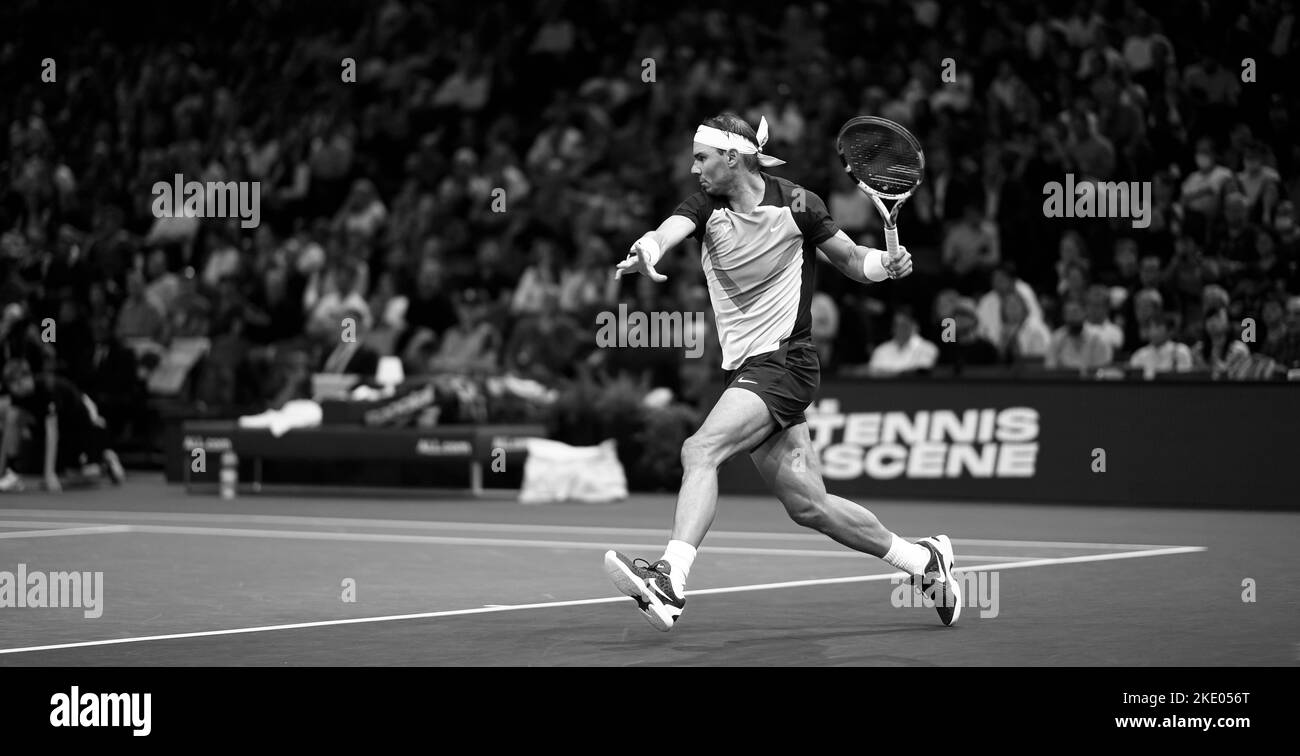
point(886, 162)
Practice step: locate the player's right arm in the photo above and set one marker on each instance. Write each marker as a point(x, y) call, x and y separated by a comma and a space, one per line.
point(651, 247)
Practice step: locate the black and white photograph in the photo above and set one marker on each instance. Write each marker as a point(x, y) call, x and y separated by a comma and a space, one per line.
point(373, 340)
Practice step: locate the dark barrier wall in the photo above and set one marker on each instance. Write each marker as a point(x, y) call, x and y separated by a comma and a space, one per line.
point(1161, 443)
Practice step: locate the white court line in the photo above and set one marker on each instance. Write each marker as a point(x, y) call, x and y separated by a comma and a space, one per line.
point(49, 532)
point(317, 535)
point(492, 609)
point(197, 517)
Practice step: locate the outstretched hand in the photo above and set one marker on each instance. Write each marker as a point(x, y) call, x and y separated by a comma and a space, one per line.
point(638, 261)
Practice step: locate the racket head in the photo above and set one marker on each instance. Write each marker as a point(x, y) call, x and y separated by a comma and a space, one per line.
point(881, 156)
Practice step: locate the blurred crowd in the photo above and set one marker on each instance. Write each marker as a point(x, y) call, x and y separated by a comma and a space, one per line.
point(460, 204)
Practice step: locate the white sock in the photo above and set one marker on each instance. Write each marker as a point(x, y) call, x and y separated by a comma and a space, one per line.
point(681, 555)
point(908, 557)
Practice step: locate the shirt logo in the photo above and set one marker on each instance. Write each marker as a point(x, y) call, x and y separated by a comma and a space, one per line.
point(745, 380)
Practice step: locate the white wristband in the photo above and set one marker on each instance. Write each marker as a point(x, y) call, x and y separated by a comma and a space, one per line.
point(653, 251)
point(873, 266)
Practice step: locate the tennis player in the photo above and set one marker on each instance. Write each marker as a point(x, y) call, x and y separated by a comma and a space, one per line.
point(760, 236)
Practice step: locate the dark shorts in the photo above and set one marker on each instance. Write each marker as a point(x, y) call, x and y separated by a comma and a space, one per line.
point(786, 380)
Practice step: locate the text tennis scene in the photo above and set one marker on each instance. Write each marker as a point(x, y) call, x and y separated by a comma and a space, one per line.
point(403, 334)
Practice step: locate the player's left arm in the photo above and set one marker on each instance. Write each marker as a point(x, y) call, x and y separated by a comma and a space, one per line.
point(864, 264)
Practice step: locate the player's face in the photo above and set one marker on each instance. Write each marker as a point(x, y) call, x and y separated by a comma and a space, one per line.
point(710, 167)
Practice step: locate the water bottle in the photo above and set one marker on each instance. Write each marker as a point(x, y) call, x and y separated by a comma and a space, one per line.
point(229, 474)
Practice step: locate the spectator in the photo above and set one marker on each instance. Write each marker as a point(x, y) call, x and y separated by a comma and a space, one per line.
point(1186, 275)
point(1272, 325)
point(341, 290)
point(492, 274)
point(1097, 318)
point(164, 287)
point(540, 280)
point(970, 251)
point(1161, 354)
point(1203, 188)
point(1286, 349)
point(349, 355)
point(363, 212)
point(968, 347)
point(1232, 242)
point(1092, 152)
point(587, 286)
point(1217, 351)
point(1022, 337)
point(1148, 304)
point(431, 307)
point(1124, 275)
point(544, 348)
point(472, 344)
point(905, 351)
point(1072, 346)
point(1260, 184)
point(1005, 282)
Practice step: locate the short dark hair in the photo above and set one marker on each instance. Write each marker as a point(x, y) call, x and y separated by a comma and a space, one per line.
point(730, 122)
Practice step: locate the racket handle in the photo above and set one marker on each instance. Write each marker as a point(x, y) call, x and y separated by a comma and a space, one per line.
point(891, 241)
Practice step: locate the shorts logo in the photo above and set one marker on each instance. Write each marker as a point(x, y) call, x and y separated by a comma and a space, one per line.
point(745, 380)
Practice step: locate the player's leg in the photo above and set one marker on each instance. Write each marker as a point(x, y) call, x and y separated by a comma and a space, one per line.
point(738, 422)
point(790, 465)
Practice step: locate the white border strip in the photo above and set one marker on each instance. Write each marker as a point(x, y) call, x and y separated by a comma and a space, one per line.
point(48, 532)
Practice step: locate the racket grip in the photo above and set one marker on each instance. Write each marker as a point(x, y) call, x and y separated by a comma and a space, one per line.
point(891, 240)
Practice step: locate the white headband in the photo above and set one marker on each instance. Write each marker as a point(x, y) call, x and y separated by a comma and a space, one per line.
point(726, 140)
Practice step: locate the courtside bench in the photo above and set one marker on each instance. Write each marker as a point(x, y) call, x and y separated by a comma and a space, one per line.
point(472, 448)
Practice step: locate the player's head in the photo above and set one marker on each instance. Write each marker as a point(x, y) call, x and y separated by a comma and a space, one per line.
point(726, 150)
point(18, 378)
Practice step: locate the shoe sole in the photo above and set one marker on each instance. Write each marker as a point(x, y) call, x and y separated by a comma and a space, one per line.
point(660, 616)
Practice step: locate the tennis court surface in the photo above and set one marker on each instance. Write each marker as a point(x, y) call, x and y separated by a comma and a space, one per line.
point(265, 580)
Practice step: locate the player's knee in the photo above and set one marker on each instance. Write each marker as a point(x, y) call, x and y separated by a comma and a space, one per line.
point(697, 453)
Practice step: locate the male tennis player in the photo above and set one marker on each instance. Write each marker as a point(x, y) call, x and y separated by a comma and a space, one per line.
point(760, 236)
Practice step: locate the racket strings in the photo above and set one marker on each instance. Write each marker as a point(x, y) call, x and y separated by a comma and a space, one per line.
point(883, 159)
